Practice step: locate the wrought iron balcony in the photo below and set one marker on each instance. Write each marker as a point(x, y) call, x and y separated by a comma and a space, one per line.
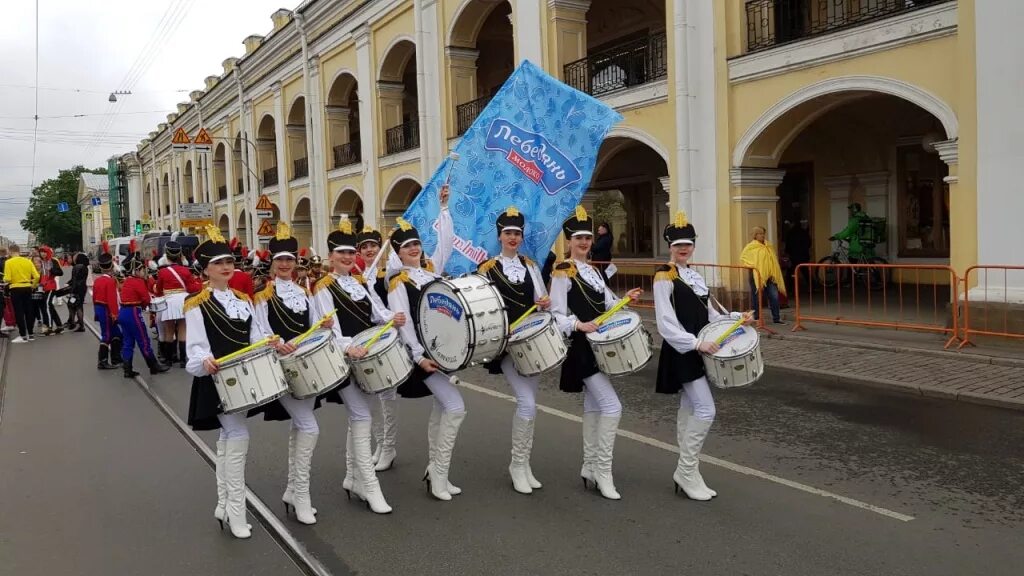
point(466, 114)
point(270, 176)
point(346, 154)
point(629, 64)
point(774, 22)
point(300, 168)
point(222, 192)
point(405, 136)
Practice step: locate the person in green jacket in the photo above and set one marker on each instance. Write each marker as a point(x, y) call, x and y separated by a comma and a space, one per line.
point(860, 250)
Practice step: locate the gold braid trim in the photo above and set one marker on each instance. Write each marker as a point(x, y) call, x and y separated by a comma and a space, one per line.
point(429, 266)
point(380, 273)
point(565, 269)
point(323, 283)
point(242, 296)
point(397, 280)
point(667, 272)
point(359, 278)
point(487, 266)
point(527, 261)
point(198, 299)
point(265, 294)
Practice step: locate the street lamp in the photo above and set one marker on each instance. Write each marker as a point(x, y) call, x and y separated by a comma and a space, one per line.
point(116, 93)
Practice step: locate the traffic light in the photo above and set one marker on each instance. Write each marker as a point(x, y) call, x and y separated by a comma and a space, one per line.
point(138, 227)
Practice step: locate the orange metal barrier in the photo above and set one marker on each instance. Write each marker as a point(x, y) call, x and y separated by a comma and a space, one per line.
point(989, 313)
point(729, 284)
point(895, 296)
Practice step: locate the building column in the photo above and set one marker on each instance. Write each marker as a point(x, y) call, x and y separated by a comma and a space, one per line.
point(526, 30)
point(876, 201)
point(135, 192)
point(390, 97)
point(755, 202)
point(462, 77)
point(369, 137)
point(961, 252)
point(197, 188)
point(281, 134)
point(429, 87)
point(839, 188)
point(316, 156)
point(338, 119)
point(567, 33)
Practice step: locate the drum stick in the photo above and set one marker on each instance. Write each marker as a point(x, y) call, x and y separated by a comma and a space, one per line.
point(372, 341)
point(521, 318)
point(727, 333)
point(249, 348)
point(603, 317)
point(316, 326)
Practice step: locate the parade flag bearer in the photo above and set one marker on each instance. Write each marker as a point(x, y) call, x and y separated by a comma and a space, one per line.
point(134, 298)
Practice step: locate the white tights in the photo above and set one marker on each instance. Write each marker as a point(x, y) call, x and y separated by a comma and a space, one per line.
point(525, 388)
point(445, 393)
point(233, 426)
point(599, 396)
point(697, 400)
point(301, 412)
point(357, 402)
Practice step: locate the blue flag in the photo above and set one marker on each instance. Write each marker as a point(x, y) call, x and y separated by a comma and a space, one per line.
point(533, 147)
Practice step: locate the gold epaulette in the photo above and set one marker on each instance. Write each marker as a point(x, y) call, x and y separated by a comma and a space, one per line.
point(359, 278)
point(197, 299)
point(242, 295)
point(323, 283)
point(397, 280)
point(380, 273)
point(667, 272)
point(429, 266)
point(486, 266)
point(263, 295)
point(528, 262)
point(566, 269)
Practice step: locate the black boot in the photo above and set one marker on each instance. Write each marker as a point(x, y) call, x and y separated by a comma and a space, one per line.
point(115, 351)
point(161, 351)
point(182, 355)
point(128, 371)
point(102, 363)
point(155, 367)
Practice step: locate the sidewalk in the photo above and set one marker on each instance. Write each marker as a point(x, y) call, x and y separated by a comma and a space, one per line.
point(894, 361)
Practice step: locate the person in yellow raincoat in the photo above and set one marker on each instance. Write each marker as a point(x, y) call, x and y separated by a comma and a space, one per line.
point(767, 275)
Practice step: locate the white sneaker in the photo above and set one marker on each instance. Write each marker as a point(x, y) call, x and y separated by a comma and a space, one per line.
point(31, 338)
point(18, 340)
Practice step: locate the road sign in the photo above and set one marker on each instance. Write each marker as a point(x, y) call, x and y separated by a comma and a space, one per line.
point(147, 226)
point(264, 203)
point(88, 215)
point(195, 214)
point(264, 214)
point(180, 141)
point(266, 229)
point(97, 201)
point(62, 206)
point(202, 142)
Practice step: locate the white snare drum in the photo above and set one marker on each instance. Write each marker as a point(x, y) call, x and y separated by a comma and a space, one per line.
point(250, 381)
point(316, 367)
point(536, 345)
point(738, 361)
point(621, 345)
point(158, 304)
point(386, 365)
point(462, 322)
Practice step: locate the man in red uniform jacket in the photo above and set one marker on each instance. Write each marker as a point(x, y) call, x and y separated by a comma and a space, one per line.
point(104, 299)
point(135, 298)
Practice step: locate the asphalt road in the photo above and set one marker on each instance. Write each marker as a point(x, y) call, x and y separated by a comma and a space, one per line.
point(814, 480)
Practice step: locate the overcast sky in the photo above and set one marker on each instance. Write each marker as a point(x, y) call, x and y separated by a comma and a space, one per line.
point(159, 49)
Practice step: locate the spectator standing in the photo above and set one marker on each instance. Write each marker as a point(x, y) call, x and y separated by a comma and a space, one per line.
point(798, 246)
point(767, 275)
point(50, 271)
point(601, 252)
point(79, 286)
point(3, 295)
point(22, 278)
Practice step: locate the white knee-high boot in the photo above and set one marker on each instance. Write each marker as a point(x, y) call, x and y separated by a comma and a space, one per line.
point(235, 451)
point(681, 419)
point(351, 482)
point(287, 497)
point(522, 443)
point(433, 425)
point(589, 446)
point(389, 434)
point(690, 433)
point(363, 459)
point(222, 491)
point(447, 433)
point(607, 427)
point(534, 483)
point(304, 445)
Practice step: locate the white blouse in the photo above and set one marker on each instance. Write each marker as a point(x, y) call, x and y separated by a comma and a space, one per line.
point(197, 343)
point(325, 304)
point(668, 324)
point(560, 286)
point(292, 296)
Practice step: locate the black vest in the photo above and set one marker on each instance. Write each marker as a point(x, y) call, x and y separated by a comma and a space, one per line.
point(353, 315)
point(675, 369)
point(518, 297)
point(224, 334)
point(283, 321)
point(585, 302)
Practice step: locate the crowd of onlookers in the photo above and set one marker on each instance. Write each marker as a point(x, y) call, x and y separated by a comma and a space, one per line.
point(34, 284)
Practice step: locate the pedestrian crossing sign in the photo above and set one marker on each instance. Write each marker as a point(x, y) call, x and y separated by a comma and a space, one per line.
point(266, 228)
point(264, 203)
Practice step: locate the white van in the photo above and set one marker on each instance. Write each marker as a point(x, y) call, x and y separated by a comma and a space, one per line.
point(119, 249)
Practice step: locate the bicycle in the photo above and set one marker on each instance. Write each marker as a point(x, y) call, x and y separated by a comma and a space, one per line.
point(873, 278)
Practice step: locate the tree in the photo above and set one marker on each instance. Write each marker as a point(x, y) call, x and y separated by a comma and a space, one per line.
point(42, 218)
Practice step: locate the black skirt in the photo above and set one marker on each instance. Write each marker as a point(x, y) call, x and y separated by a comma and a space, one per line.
point(204, 405)
point(580, 363)
point(334, 396)
point(415, 387)
point(675, 369)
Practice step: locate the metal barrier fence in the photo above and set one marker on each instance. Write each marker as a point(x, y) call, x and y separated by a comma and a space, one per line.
point(894, 296)
point(988, 313)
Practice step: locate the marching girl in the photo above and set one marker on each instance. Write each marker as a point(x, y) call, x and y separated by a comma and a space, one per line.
point(135, 298)
point(284, 308)
point(404, 296)
point(681, 300)
point(578, 296)
point(519, 281)
point(220, 321)
point(175, 281)
point(348, 295)
point(385, 433)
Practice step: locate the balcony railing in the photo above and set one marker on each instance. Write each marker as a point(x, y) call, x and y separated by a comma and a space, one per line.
point(403, 137)
point(346, 154)
point(629, 64)
point(774, 22)
point(466, 114)
point(300, 167)
point(270, 176)
point(241, 187)
point(222, 192)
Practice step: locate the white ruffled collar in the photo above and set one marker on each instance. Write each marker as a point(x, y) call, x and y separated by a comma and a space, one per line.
point(291, 294)
point(234, 307)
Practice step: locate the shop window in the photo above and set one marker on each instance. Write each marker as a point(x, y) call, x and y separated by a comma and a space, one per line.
point(923, 217)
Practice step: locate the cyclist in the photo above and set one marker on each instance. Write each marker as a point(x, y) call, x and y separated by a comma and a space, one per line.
point(860, 248)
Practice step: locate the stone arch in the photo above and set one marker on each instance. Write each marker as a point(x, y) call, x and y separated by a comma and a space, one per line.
point(768, 137)
point(295, 138)
point(342, 115)
point(266, 146)
point(224, 223)
point(624, 136)
point(241, 225)
point(220, 183)
point(400, 194)
point(302, 222)
point(399, 53)
point(349, 203)
point(469, 18)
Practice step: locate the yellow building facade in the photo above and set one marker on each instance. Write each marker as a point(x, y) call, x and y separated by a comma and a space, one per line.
point(347, 107)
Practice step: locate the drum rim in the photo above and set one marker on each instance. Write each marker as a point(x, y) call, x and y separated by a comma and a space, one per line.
point(262, 351)
point(307, 350)
point(527, 319)
point(472, 343)
point(387, 346)
point(638, 326)
point(248, 407)
point(322, 391)
point(756, 346)
point(355, 376)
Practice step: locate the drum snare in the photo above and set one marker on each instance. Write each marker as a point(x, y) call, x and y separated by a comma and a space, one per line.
point(316, 367)
point(621, 345)
point(738, 361)
point(386, 364)
point(250, 381)
point(158, 304)
point(536, 345)
point(462, 322)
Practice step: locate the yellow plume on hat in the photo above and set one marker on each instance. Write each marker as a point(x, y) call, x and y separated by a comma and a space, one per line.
point(345, 225)
point(367, 228)
point(581, 213)
point(214, 234)
point(680, 220)
point(403, 225)
point(284, 231)
point(512, 211)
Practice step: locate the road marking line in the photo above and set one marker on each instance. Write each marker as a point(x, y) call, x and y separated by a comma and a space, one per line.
point(655, 443)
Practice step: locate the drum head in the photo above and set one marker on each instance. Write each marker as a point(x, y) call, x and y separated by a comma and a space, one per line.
point(261, 351)
point(533, 324)
point(444, 325)
point(743, 340)
point(385, 340)
point(315, 340)
point(620, 324)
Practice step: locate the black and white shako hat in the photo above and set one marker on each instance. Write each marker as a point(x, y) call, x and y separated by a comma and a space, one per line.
point(580, 224)
point(342, 239)
point(403, 234)
point(510, 219)
point(369, 235)
point(212, 249)
point(680, 231)
point(283, 245)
